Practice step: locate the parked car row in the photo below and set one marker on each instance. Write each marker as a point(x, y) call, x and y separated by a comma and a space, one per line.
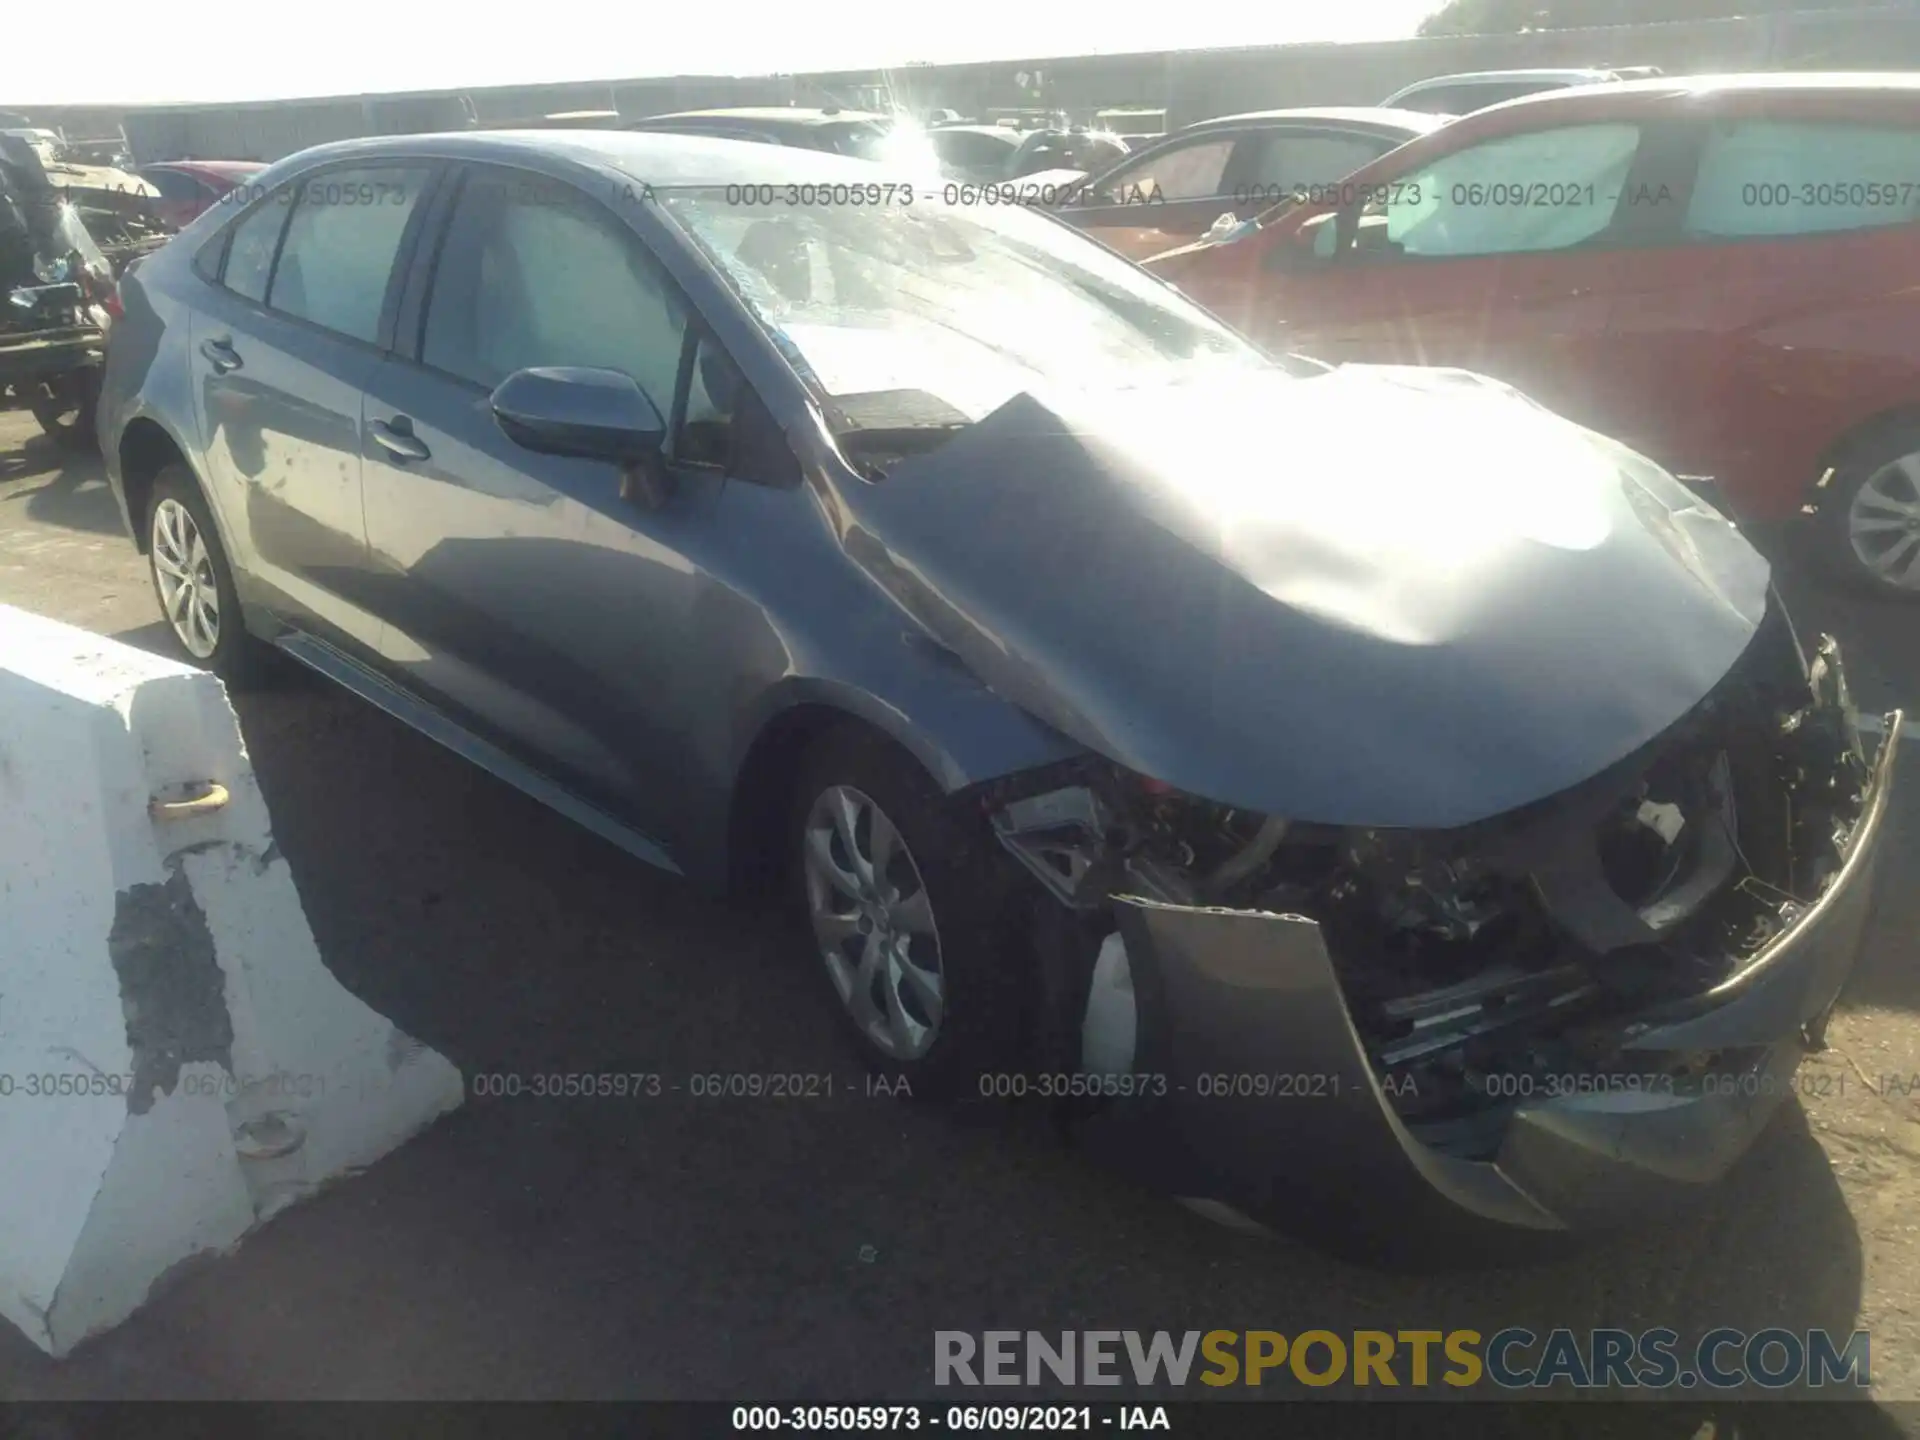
point(1302, 770)
point(1174, 191)
point(1635, 253)
point(1714, 271)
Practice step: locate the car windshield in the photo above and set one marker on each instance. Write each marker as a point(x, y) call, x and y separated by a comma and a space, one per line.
point(969, 305)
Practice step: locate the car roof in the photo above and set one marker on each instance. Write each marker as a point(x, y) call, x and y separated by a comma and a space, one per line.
point(1501, 77)
point(1677, 89)
point(1002, 132)
point(659, 157)
point(1377, 117)
point(762, 114)
point(223, 169)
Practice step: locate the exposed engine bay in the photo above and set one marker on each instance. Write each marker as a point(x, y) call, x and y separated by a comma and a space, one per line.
point(1476, 962)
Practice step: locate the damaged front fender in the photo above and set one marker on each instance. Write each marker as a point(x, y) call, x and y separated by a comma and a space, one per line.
point(1265, 1100)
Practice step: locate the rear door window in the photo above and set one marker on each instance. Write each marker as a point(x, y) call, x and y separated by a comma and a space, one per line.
point(1762, 178)
point(341, 244)
point(1547, 190)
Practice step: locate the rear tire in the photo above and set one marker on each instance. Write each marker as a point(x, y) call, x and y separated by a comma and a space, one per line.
point(1868, 523)
point(910, 917)
point(193, 581)
point(66, 410)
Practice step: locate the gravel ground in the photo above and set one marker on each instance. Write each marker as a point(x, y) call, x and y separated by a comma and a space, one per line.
point(674, 1248)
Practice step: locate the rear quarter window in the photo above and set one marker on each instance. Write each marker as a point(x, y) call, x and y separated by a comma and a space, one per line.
point(1761, 178)
point(256, 235)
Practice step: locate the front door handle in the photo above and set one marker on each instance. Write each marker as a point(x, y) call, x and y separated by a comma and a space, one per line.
point(396, 437)
point(221, 352)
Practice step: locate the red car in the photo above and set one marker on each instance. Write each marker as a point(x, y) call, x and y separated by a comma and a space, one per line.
point(188, 187)
point(1721, 272)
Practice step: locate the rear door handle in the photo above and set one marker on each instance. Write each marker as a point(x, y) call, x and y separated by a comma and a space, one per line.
point(221, 353)
point(396, 437)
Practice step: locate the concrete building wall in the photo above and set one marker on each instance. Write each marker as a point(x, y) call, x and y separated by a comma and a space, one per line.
point(1190, 85)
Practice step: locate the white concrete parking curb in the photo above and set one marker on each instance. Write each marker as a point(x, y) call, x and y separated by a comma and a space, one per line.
point(176, 1063)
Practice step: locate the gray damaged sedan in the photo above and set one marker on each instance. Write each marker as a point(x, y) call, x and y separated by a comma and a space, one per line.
point(1364, 796)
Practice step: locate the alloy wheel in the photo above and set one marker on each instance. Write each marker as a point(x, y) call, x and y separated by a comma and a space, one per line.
point(874, 923)
point(183, 573)
point(1883, 523)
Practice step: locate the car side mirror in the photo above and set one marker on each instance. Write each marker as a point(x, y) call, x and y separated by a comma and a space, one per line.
point(589, 413)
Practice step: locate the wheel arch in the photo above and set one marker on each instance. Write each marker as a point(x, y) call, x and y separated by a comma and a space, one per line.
point(145, 449)
point(1864, 433)
point(961, 750)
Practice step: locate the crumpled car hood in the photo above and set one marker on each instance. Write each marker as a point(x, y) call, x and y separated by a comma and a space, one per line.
point(1379, 596)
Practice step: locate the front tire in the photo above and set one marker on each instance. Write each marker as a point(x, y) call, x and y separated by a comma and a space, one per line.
point(193, 581)
point(1869, 516)
point(909, 909)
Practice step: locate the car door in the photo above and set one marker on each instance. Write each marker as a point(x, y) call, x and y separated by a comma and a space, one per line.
point(281, 345)
point(1165, 197)
point(1773, 318)
point(523, 594)
point(1501, 257)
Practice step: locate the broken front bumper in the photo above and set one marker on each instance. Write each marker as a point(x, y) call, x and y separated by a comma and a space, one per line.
point(1270, 1106)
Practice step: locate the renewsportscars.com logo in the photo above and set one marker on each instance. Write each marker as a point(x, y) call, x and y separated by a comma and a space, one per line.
point(1512, 1359)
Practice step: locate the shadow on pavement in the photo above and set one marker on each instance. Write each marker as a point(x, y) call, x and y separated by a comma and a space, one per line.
point(1887, 975)
point(683, 1246)
point(77, 498)
point(36, 456)
point(74, 497)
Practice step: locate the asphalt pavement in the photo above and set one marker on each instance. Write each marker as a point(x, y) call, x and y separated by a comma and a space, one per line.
point(701, 1248)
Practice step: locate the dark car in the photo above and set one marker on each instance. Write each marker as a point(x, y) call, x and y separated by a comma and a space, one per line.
point(1172, 192)
point(1714, 269)
point(975, 152)
point(189, 186)
point(991, 153)
point(1436, 840)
